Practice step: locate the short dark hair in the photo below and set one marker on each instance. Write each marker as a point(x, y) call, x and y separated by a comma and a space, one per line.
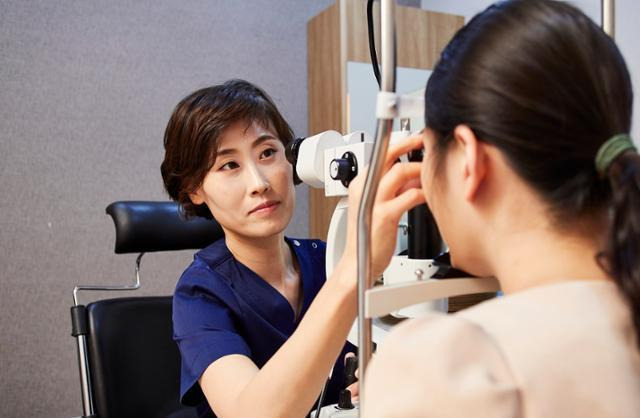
point(191, 138)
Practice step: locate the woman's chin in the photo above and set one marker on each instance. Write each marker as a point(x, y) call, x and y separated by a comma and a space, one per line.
point(266, 229)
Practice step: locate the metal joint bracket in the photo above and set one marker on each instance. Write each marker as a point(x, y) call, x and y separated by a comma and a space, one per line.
point(134, 286)
point(390, 105)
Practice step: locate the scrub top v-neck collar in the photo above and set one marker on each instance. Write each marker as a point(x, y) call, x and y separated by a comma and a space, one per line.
point(268, 301)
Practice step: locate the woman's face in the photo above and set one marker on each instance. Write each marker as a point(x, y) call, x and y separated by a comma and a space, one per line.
point(441, 196)
point(249, 189)
point(450, 183)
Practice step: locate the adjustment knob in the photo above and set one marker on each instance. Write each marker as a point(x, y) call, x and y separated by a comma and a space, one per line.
point(344, 169)
point(344, 400)
point(350, 367)
point(340, 169)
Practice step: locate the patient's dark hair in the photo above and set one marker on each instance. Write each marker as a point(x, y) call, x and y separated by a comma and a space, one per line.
point(192, 136)
point(544, 84)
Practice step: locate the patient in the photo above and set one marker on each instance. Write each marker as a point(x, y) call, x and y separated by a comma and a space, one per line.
point(257, 327)
point(532, 178)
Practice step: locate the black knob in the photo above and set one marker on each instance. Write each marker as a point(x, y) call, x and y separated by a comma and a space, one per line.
point(340, 169)
point(344, 400)
point(344, 169)
point(350, 370)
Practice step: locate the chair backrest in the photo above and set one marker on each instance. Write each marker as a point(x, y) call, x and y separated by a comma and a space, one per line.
point(135, 363)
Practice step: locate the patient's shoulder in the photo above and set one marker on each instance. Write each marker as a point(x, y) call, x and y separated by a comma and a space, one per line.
point(546, 351)
point(562, 316)
point(442, 364)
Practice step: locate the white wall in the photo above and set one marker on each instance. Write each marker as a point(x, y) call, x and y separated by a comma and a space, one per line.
point(627, 31)
point(627, 34)
point(468, 8)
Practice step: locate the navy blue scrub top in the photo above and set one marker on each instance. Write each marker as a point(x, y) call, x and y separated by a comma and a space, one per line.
point(221, 307)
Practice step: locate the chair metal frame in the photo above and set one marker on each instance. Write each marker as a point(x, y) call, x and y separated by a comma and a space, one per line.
point(192, 235)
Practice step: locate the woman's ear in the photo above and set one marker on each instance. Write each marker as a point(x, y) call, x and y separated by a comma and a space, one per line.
point(197, 197)
point(474, 157)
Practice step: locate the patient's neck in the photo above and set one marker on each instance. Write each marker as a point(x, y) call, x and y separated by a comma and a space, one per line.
point(269, 257)
point(541, 256)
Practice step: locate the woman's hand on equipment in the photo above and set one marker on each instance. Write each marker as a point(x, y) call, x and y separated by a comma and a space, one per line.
point(398, 191)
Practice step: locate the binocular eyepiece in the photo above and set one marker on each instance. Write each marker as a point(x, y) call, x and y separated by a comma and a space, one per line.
point(292, 150)
point(291, 153)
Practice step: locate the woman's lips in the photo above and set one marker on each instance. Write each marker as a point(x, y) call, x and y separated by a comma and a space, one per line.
point(265, 208)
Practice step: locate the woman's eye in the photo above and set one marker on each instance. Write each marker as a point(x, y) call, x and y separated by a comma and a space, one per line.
point(268, 152)
point(229, 166)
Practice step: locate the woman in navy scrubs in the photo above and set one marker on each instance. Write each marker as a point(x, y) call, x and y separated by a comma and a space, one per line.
point(251, 340)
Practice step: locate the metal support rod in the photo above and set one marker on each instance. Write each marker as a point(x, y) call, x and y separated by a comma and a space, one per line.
point(85, 382)
point(83, 357)
point(134, 286)
point(383, 136)
point(405, 124)
point(609, 17)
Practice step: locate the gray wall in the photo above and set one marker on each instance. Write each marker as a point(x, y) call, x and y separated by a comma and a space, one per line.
point(86, 88)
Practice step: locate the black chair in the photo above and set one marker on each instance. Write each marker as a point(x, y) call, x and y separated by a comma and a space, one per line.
point(129, 364)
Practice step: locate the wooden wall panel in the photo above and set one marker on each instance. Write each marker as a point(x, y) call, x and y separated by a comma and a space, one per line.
point(421, 34)
point(459, 303)
point(339, 34)
point(324, 68)
point(358, 34)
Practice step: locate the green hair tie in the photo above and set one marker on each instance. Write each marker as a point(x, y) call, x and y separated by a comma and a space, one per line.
point(610, 150)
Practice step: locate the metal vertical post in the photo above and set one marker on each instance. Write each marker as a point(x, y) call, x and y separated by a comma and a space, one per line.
point(609, 17)
point(85, 382)
point(383, 136)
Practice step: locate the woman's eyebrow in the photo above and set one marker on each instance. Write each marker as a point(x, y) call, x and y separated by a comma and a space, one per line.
point(225, 151)
point(259, 140)
point(262, 138)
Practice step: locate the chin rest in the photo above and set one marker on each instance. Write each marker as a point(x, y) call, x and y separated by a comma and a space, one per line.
point(159, 226)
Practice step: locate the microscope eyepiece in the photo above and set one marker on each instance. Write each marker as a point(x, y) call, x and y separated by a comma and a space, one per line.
point(291, 153)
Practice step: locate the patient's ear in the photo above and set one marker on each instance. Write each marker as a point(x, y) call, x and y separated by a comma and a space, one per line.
point(197, 197)
point(474, 154)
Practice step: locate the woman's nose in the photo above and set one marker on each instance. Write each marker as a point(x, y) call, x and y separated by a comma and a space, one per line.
point(258, 181)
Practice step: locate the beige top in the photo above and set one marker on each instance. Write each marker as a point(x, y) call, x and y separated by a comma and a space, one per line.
point(562, 350)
